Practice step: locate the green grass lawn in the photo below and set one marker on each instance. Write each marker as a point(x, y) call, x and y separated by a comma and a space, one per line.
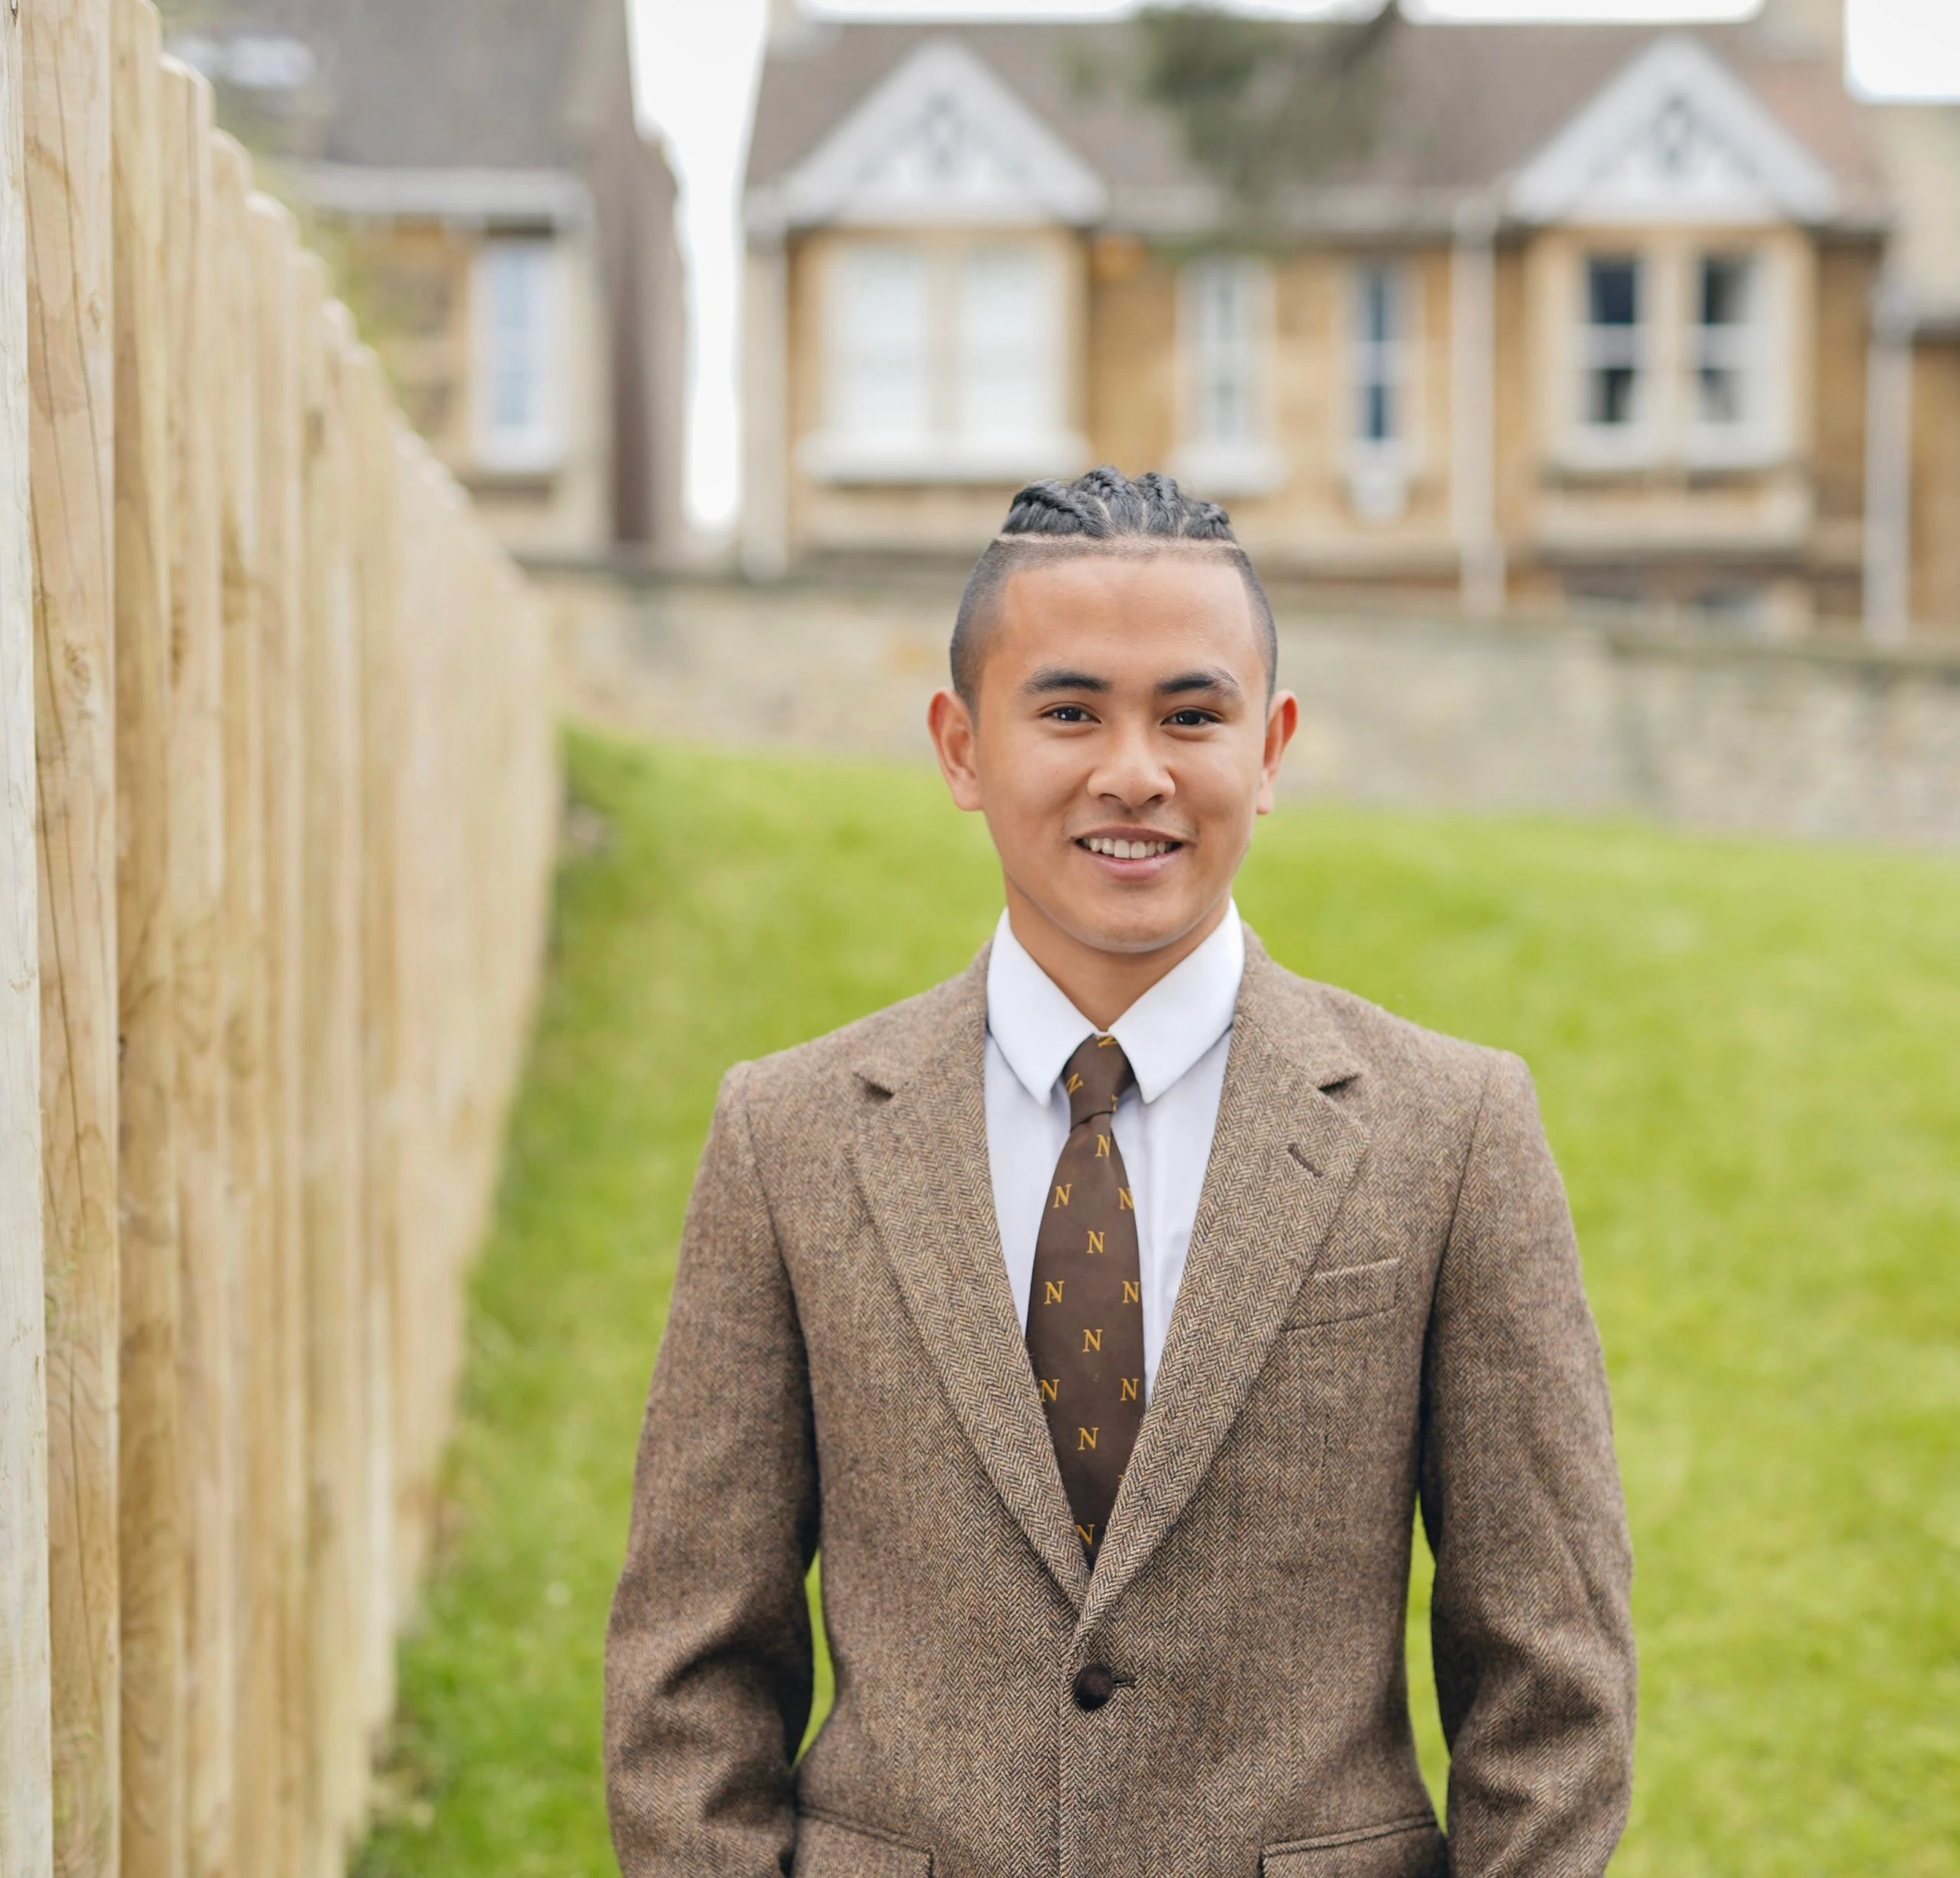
point(1749, 1057)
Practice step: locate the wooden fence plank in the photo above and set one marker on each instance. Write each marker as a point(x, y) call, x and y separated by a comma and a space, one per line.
point(329, 938)
point(66, 59)
point(372, 424)
point(341, 878)
point(150, 1525)
point(282, 564)
point(27, 1845)
point(233, 340)
point(207, 1410)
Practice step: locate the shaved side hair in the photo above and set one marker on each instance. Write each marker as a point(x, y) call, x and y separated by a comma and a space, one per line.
point(1102, 513)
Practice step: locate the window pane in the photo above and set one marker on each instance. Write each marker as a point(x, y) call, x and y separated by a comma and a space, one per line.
point(1612, 342)
point(1724, 290)
point(1722, 340)
point(1613, 292)
point(1610, 399)
point(515, 342)
point(1010, 344)
point(1224, 297)
point(1377, 413)
point(1377, 315)
point(1379, 352)
point(514, 298)
point(878, 333)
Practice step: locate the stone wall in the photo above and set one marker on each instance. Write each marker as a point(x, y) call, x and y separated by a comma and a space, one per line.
point(1808, 739)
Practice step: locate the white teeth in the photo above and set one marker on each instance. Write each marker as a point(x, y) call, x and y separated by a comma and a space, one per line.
point(1126, 850)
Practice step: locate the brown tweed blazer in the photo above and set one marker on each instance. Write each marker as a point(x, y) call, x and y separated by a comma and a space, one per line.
point(1381, 1308)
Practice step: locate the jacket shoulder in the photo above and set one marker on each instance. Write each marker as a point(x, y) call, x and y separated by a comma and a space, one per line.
point(828, 1065)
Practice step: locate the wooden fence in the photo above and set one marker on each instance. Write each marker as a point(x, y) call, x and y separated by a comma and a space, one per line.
point(278, 805)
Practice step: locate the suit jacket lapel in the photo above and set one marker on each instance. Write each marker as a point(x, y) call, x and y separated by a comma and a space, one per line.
point(922, 1161)
point(1283, 1157)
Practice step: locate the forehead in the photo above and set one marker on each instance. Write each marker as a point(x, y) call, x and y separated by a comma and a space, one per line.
point(1178, 603)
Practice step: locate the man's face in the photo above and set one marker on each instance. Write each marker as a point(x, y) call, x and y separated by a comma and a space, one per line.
point(1122, 746)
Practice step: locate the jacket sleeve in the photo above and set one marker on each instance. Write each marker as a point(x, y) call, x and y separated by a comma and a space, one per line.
point(1530, 1621)
point(708, 1662)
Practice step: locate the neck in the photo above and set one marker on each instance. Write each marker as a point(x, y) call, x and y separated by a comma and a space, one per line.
point(1100, 984)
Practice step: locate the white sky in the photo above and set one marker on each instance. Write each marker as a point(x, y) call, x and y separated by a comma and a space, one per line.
point(696, 64)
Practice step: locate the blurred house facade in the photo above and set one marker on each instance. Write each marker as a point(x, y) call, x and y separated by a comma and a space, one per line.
point(1584, 313)
point(477, 168)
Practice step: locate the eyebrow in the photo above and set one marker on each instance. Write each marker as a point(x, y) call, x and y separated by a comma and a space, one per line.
point(1059, 678)
point(1199, 681)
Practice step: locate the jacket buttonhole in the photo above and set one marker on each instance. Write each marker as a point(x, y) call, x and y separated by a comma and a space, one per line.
point(1313, 1171)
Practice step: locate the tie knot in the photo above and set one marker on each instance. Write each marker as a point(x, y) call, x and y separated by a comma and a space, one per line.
point(1096, 1075)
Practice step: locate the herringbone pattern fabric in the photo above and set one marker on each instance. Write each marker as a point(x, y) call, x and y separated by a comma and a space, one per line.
point(1085, 1308)
point(1380, 1310)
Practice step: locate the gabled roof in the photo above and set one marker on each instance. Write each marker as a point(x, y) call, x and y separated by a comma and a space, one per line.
point(414, 85)
point(1675, 134)
point(1460, 110)
point(943, 138)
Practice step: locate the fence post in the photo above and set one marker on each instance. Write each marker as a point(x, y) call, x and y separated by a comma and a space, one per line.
point(282, 561)
point(233, 342)
point(150, 1527)
point(206, 1407)
point(328, 933)
point(377, 548)
point(71, 389)
point(26, 1760)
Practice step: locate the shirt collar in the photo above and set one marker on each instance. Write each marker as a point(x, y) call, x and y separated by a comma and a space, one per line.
point(1163, 1034)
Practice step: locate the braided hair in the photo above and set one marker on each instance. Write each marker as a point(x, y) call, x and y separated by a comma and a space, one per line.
point(1103, 512)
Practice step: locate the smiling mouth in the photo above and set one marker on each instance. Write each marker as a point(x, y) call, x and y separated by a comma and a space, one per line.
point(1127, 851)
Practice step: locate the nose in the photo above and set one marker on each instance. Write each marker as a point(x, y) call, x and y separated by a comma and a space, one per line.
point(1130, 769)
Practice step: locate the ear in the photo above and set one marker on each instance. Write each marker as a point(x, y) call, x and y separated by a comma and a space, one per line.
point(951, 723)
point(1282, 720)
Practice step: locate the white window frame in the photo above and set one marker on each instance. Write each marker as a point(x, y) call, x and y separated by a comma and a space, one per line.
point(1666, 348)
point(974, 407)
point(1212, 459)
point(1751, 348)
point(536, 446)
point(845, 349)
point(1603, 348)
point(945, 447)
point(1378, 470)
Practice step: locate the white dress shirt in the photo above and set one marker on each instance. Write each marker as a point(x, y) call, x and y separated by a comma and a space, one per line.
point(1176, 1036)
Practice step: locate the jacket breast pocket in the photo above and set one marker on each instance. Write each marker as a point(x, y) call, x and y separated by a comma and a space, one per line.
point(827, 1848)
point(1353, 1291)
point(1401, 1848)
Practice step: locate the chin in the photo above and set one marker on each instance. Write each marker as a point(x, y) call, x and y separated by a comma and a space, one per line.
point(1136, 929)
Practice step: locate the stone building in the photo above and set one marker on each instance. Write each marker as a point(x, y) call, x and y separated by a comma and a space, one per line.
point(1570, 314)
point(475, 170)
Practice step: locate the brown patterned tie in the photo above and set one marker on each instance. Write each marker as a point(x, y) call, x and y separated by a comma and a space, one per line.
point(1084, 1308)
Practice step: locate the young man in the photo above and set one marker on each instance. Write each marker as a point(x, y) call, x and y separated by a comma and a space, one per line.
point(1106, 1314)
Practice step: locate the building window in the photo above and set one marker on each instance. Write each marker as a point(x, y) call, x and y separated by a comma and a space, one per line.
point(1613, 359)
point(1725, 342)
point(880, 332)
point(1381, 345)
point(1682, 358)
point(1227, 343)
point(1009, 327)
point(1227, 301)
point(517, 343)
point(945, 363)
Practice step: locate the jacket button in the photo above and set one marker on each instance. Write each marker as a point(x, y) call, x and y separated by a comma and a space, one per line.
point(1094, 1686)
